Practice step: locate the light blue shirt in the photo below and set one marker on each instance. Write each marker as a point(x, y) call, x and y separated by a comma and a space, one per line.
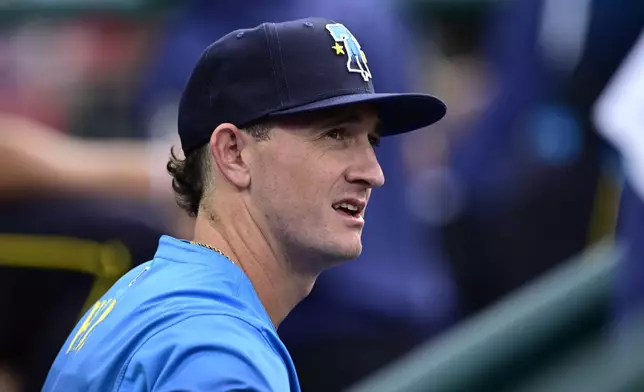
point(188, 320)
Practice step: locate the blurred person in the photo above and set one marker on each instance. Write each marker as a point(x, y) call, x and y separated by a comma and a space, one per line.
point(399, 292)
point(76, 213)
point(524, 163)
point(202, 315)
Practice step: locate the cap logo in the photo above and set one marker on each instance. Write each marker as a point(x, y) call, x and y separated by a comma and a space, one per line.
point(347, 45)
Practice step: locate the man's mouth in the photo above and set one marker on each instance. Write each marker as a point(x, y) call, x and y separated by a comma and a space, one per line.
point(352, 208)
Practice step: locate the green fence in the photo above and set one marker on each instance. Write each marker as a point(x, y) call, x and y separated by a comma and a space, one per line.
point(553, 335)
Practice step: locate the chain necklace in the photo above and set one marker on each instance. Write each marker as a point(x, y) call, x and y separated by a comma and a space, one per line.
point(213, 249)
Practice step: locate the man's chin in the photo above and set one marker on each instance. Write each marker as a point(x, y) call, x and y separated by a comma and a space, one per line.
point(347, 252)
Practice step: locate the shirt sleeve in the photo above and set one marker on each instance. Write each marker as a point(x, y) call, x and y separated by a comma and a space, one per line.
point(207, 353)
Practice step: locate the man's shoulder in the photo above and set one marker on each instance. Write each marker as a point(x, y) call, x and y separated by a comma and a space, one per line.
point(198, 317)
point(220, 347)
point(184, 284)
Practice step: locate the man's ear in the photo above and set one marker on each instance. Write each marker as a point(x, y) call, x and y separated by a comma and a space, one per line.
point(226, 145)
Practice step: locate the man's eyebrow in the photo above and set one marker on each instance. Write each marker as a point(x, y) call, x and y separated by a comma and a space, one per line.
point(346, 118)
point(339, 120)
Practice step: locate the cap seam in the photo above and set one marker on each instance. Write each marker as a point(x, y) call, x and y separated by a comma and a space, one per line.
point(267, 36)
point(210, 77)
point(279, 50)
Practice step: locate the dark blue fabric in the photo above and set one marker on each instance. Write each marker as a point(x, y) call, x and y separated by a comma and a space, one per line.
point(277, 69)
point(528, 164)
point(629, 290)
point(615, 27)
point(486, 160)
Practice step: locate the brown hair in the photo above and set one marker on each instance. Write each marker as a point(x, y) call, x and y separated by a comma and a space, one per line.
point(190, 175)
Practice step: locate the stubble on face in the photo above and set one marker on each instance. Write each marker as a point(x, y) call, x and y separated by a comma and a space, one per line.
point(298, 174)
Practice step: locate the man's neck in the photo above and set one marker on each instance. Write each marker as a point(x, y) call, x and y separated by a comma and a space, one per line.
point(279, 287)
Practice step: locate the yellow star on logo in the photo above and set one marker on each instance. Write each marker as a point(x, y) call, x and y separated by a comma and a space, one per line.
point(339, 49)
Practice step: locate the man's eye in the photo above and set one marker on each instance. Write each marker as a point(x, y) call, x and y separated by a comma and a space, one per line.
point(336, 134)
point(374, 140)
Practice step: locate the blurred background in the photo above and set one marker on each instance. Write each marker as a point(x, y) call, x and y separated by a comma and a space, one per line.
point(506, 252)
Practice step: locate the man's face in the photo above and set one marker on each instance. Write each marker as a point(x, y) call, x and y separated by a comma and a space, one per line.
point(312, 180)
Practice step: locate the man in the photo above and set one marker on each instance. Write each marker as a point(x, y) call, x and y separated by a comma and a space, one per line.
point(360, 316)
point(278, 125)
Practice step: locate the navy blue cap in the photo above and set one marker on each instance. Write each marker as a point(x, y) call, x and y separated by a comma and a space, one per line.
point(277, 69)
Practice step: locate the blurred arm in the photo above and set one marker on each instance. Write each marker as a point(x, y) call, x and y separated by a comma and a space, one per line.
point(41, 161)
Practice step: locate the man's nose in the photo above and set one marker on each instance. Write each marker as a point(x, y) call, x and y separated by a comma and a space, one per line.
point(366, 169)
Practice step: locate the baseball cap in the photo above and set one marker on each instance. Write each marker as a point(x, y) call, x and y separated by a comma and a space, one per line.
point(293, 67)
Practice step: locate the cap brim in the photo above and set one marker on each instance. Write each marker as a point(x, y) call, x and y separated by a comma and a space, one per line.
point(399, 113)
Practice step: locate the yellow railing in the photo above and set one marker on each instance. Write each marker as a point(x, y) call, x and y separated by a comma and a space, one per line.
point(106, 262)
